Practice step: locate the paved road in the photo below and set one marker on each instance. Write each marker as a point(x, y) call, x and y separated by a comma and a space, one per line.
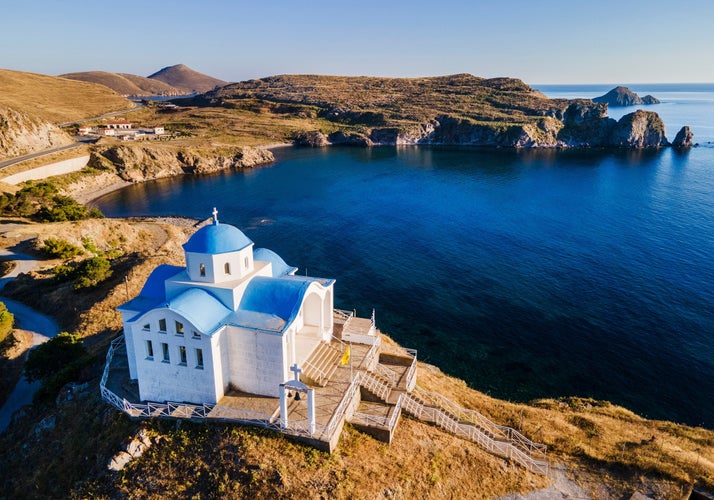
point(42, 327)
point(80, 139)
point(137, 105)
point(12, 161)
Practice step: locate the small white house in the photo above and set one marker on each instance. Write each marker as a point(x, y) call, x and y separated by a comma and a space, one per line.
point(235, 316)
point(159, 130)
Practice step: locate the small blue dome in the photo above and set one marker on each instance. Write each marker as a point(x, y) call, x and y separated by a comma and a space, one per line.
point(280, 268)
point(217, 238)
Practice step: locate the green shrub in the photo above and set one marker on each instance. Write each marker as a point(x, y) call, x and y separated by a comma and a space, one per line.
point(42, 202)
point(63, 272)
point(90, 246)
point(56, 362)
point(53, 356)
point(61, 249)
point(64, 208)
point(7, 321)
point(85, 274)
point(91, 272)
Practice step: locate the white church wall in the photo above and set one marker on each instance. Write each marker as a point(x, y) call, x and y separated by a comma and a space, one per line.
point(200, 267)
point(312, 306)
point(129, 343)
point(175, 371)
point(328, 319)
point(221, 353)
point(257, 362)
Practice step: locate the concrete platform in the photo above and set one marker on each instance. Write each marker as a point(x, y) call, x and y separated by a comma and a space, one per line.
point(333, 403)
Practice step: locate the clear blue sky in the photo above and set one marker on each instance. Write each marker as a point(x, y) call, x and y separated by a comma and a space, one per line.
point(539, 41)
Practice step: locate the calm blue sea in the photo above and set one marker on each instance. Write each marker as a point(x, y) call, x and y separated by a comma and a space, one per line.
point(527, 273)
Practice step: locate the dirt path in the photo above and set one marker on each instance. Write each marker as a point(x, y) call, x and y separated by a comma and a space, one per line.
point(42, 327)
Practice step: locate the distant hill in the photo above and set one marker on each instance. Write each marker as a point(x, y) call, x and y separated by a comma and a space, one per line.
point(454, 109)
point(622, 96)
point(55, 99)
point(126, 84)
point(189, 81)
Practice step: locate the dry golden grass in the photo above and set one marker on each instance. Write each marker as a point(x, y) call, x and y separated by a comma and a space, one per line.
point(57, 100)
point(231, 126)
point(124, 84)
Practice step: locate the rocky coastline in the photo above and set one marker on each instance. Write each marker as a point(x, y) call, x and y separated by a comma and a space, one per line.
point(581, 125)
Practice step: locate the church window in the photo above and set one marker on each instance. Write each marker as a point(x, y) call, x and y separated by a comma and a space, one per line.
point(199, 359)
point(202, 269)
point(165, 351)
point(182, 355)
point(162, 325)
point(227, 267)
point(196, 335)
point(179, 328)
point(146, 327)
point(246, 261)
point(149, 350)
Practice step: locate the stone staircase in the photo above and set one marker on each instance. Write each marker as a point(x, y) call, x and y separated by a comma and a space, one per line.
point(321, 364)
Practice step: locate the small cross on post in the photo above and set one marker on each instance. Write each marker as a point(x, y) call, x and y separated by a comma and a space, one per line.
point(297, 372)
point(215, 215)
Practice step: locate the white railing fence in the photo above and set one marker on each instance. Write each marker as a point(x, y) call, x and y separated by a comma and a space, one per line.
point(482, 431)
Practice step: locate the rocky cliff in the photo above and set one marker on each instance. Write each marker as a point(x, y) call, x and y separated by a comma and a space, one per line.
point(138, 163)
point(641, 129)
point(22, 134)
point(684, 138)
point(622, 96)
point(583, 125)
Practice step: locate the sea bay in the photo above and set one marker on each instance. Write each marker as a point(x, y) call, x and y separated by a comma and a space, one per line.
point(527, 273)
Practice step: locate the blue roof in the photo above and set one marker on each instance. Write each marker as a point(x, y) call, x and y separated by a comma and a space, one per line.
point(201, 308)
point(217, 238)
point(280, 268)
point(272, 299)
point(154, 286)
point(153, 293)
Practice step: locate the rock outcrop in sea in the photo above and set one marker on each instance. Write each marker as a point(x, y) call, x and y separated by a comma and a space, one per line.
point(684, 138)
point(622, 96)
point(641, 129)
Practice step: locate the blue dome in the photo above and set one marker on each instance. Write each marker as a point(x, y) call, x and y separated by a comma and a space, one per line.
point(217, 238)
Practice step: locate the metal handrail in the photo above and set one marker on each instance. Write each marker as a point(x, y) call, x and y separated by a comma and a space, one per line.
point(474, 433)
point(390, 375)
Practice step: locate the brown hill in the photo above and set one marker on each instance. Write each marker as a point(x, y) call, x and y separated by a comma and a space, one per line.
point(186, 79)
point(455, 109)
point(55, 99)
point(124, 83)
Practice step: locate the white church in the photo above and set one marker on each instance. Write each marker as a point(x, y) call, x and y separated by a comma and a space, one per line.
point(234, 317)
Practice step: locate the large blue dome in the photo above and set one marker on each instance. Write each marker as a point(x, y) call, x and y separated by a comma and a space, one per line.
point(217, 238)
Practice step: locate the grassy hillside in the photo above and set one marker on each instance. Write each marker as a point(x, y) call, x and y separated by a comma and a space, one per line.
point(57, 100)
point(186, 79)
point(124, 83)
point(372, 101)
point(608, 450)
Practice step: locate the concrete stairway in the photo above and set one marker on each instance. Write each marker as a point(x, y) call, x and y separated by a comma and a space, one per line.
point(321, 364)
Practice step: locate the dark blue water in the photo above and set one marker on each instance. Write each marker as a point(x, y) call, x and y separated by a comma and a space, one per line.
point(529, 274)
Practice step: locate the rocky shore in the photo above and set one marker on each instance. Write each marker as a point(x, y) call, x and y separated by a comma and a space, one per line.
point(580, 125)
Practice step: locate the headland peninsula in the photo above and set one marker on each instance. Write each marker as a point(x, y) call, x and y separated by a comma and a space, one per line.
point(62, 444)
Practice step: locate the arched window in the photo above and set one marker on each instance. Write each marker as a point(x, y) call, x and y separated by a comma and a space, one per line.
point(227, 267)
point(202, 269)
